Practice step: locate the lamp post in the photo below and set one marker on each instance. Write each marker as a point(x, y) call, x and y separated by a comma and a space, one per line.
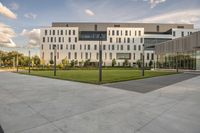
point(54, 60)
point(143, 61)
point(100, 58)
point(29, 64)
point(17, 62)
point(177, 65)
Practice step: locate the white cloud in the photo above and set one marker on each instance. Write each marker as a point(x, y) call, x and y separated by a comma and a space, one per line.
point(154, 3)
point(89, 12)
point(186, 16)
point(14, 6)
point(33, 37)
point(6, 35)
point(7, 12)
point(30, 15)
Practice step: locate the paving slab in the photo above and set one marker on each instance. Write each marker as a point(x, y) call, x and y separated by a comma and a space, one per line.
point(151, 84)
point(30, 104)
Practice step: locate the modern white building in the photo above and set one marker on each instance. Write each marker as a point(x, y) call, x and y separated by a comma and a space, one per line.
point(120, 41)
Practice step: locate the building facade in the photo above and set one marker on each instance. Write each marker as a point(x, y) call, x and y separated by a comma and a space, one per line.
point(120, 41)
point(183, 52)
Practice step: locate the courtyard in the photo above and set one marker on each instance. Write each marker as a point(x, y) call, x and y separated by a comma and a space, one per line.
point(32, 104)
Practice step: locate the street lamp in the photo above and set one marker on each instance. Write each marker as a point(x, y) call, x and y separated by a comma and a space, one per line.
point(29, 64)
point(143, 60)
point(54, 60)
point(100, 58)
point(17, 62)
point(177, 62)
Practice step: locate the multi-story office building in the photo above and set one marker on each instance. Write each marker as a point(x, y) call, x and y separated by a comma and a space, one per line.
point(120, 41)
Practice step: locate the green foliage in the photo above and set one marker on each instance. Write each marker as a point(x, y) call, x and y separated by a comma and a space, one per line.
point(126, 63)
point(150, 63)
point(139, 63)
point(36, 60)
point(51, 62)
point(87, 63)
point(114, 62)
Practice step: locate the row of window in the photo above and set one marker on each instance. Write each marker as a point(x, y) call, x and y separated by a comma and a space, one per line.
point(182, 33)
point(59, 39)
point(89, 56)
point(125, 40)
point(121, 33)
point(59, 32)
point(95, 47)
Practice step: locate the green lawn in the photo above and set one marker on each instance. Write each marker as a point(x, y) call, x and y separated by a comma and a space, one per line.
point(91, 76)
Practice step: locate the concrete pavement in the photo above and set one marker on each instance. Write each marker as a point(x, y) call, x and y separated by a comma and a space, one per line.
point(30, 104)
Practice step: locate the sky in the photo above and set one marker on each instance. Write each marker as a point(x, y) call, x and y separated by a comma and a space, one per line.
point(20, 20)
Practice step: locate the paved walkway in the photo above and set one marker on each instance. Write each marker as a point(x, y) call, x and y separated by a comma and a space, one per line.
point(31, 104)
point(151, 84)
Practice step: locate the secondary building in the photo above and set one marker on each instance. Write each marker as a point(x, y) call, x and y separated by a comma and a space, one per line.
point(120, 41)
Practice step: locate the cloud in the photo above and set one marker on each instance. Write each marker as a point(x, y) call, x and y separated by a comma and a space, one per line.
point(30, 15)
point(33, 37)
point(155, 2)
point(186, 16)
point(7, 12)
point(6, 35)
point(89, 12)
point(14, 6)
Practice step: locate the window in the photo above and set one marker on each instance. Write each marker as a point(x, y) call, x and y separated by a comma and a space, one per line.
point(134, 47)
point(108, 47)
point(124, 40)
point(129, 33)
point(126, 33)
point(182, 34)
point(74, 32)
point(128, 47)
point(58, 46)
point(75, 55)
point(97, 56)
point(113, 32)
point(45, 32)
point(53, 32)
point(50, 46)
point(120, 40)
point(95, 47)
point(139, 47)
point(152, 56)
point(42, 46)
point(84, 47)
point(110, 40)
point(135, 33)
point(110, 56)
point(61, 47)
point(74, 47)
point(47, 39)
point(86, 55)
point(133, 40)
point(54, 39)
point(51, 39)
point(63, 39)
point(43, 39)
point(174, 33)
point(104, 47)
point(69, 39)
point(75, 39)
point(141, 40)
point(133, 56)
point(128, 40)
point(139, 33)
point(113, 47)
point(95, 27)
point(65, 32)
point(121, 47)
point(88, 47)
point(69, 55)
point(69, 32)
point(59, 39)
point(57, 32)
point(61, 32)
point(117, 33)
point(157, 28)
point(147, 56)
point(81, 55)
point(80, 47)
point(49, 32)
point(66, 46)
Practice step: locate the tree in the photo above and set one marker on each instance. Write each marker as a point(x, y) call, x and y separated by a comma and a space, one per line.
point(65, 62)
point(36, 60)
point(114, 62)
point(51, 62)
point(150, 63)
point(126, 62)
point(76, 62)
point(72, 63)
point(87, 63)
point(139, 63)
